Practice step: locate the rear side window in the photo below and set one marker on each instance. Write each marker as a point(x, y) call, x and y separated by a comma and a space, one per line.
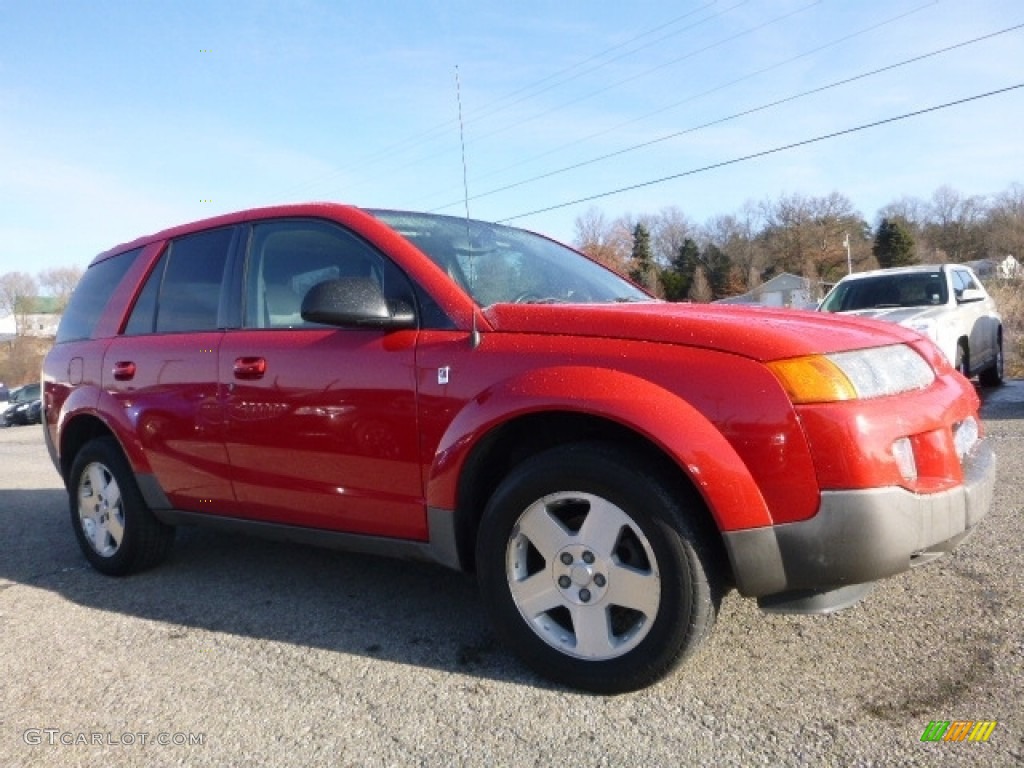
point(183, 291)
point(91, 296)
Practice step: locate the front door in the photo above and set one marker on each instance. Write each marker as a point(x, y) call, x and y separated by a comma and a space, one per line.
point(321, 422)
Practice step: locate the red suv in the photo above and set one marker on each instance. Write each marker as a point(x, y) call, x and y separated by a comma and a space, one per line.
point(480, 396)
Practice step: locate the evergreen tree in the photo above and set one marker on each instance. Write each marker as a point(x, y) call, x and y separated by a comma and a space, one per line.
point(717, 265)
point(642, 269)
point(894, 245)
point(677, 278)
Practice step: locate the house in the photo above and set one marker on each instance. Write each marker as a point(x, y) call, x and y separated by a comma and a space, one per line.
point(42, 321)
point(785, 290)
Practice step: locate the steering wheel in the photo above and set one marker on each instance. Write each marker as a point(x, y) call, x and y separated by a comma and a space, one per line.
point(526, 297)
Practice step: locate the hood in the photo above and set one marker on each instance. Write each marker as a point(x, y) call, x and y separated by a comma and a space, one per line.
point(902, 315)
point(758, 333)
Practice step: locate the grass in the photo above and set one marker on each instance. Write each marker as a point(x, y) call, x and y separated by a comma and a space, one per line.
point(1009, 298)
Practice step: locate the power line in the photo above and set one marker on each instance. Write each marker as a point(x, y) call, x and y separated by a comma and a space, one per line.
point(763, 153)
point(562, 105)
point(736, 115)
point(731, 38)
point(605, 63)
point(422, 137)
point(433, 133)
point(441, 129)
point(715, 89)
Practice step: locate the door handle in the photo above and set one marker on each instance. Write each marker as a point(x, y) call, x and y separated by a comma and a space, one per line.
point(250, 367)
point(124, 370)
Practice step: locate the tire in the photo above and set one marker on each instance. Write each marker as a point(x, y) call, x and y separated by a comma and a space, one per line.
point(595, 570)
point(117, 532)
point(963, 359)
point(993, 375)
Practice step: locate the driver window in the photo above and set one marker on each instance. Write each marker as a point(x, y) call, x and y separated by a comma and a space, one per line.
point(958, 283)
point(287, 258)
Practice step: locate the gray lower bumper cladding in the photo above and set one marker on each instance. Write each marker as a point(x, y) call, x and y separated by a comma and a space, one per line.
point(857, 537)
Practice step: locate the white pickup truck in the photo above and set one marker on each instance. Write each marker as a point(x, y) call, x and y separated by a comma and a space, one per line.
point(945, 302)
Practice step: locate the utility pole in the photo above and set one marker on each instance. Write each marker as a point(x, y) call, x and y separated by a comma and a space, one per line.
point(849, 261)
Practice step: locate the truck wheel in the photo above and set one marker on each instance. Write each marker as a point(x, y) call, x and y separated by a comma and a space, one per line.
point(993, 375)
point(595, 570)
point(963, 359)
point(115, 529)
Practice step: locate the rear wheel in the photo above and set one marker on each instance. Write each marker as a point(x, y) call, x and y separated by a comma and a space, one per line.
point(117, 532)
point(993, 375)
point(593, 569)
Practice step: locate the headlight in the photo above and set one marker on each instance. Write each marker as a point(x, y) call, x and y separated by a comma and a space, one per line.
point(860, 374)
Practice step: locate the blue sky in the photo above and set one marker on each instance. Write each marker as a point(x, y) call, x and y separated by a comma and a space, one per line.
point(121, 118)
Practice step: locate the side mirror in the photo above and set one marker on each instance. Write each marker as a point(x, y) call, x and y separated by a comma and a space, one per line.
point(968, 295)
point(355, 302)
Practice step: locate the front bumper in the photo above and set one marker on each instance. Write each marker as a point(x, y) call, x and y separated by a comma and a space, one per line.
point(858, 537)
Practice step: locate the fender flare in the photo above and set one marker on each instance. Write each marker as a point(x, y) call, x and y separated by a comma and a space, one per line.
point(661, 417)
point(100, 405)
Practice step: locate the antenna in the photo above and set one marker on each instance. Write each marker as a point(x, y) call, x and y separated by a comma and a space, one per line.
point(474, 335)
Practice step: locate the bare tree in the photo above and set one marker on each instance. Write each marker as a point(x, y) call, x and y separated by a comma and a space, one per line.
point(669, 230)
point(606, 242)
point(909, 210)
point(17, 297)
point(954, 228)
point(700, 290)
point(736, 235)
point(807, 234)
point(1005, 224)
point(60, 282)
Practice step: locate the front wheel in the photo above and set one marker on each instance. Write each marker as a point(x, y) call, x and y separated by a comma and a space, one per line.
point(993, 375)
point(117, 532)
point(595, 570)
point(963, 359)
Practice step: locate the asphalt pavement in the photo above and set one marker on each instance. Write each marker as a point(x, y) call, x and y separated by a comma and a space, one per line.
point(242, 652)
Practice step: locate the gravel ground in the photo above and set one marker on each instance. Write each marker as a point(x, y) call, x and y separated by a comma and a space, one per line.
point(241, 652)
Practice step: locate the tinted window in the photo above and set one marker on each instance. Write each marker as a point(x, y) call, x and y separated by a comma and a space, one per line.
point(915, 289)
point(183, 291)
point(91, 296)
point(287, 258)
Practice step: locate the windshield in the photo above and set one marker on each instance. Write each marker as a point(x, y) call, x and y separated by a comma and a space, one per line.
point(25, 394)
point(497, 264)
point(915, 289)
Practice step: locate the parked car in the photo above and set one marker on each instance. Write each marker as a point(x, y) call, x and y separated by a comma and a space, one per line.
point(23, 408)
point(479, 396)
point(947, 303)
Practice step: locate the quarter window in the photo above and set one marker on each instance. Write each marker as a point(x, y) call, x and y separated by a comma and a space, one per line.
point(91, 296)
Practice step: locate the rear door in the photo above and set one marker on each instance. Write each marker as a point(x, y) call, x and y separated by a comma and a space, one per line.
point(163, 371)
point(321, 421)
